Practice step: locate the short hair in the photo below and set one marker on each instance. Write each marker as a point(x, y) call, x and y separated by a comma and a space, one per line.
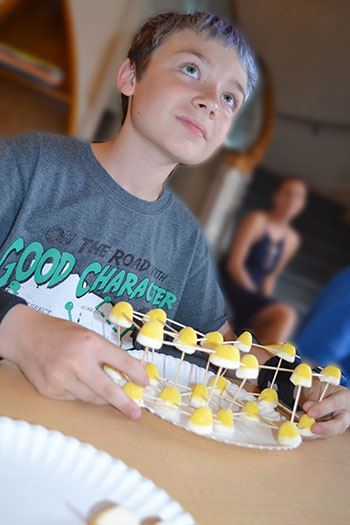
point(157, 29)
point(281, 181)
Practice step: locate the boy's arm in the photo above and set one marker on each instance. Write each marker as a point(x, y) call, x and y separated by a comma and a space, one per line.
point(333, 412)
point(64, 360)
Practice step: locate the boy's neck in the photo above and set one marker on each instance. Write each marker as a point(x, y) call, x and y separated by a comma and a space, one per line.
point(138, 168)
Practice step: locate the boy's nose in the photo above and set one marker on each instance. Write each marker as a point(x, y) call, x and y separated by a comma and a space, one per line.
point(207, 102)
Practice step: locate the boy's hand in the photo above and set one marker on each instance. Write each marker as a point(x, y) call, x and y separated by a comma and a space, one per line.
point(64, 360)
point(333, 412)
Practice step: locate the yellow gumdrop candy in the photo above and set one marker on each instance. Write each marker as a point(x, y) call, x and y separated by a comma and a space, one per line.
point(200, 391)
point(221, 383)
point(152, 371)
point(152, 329)
point(331, 374)
point(302, 375)
point(157, 314)
point(187, 336)
point(287, 352)
point(134, 391)
point(252, 409)
point(249, 367)
point(269, 395)
point(202, 417)
point(225, 416)
point(288, 434)
point(245, 338)
point(171, 395)
point(306, 421)
point(226, 356)
point(122, 314)
point(212, 339)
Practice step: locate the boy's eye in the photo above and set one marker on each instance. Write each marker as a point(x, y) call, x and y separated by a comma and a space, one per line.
point(229, 99)
point(191, 70)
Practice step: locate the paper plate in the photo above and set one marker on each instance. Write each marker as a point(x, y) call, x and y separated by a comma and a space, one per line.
point(47, 478)
point(246, 434)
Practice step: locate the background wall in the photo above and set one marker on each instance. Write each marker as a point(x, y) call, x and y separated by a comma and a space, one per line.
point(306, 45)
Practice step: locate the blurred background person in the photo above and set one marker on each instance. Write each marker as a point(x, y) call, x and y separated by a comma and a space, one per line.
point(263, 244)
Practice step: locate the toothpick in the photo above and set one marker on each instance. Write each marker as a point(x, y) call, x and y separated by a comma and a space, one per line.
point(118, 335)
point(237, 392)
point(179, 368)
point(277, 370)
point(173, 322)
point(214, 385)
point(167, 380)
point(261, 421)
point(295, 403)
point(145, 352)
point(172, 343)
point(160, 402)
point(286, 409)
point(262, 424)
point(274, 368)
point(323, 393)
point(206, 369)
point(132, 321)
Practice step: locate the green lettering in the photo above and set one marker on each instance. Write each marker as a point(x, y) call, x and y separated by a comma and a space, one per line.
point(140, 289)
point(158, 297)
point(102, 279)
point(64, 268)
point(130, 281)
point(114, 284)
point(149, 297)
point(51, 253)
point(36, 248)
point(16, 246)
point(168, 300)
point(91, 268)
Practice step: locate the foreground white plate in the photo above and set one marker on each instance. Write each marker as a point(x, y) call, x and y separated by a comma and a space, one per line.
point(47, 478)
point(246, 434)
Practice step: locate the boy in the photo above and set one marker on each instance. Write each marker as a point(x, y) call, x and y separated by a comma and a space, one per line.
point(83, 222)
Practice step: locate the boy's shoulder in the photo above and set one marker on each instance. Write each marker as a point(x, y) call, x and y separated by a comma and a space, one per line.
point(29, 144)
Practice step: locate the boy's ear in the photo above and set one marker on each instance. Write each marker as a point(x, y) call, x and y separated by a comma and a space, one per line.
point(126, 78)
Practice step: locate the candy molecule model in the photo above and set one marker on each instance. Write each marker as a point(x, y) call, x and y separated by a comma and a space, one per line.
point(214, 406)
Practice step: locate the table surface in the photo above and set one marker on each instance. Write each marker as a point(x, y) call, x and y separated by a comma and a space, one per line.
point(215, 482)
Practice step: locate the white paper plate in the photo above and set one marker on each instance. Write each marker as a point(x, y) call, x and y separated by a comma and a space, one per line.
point(246, 434)
point(47, 478)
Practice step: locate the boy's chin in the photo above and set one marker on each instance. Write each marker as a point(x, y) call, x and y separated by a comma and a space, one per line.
point(192, 158)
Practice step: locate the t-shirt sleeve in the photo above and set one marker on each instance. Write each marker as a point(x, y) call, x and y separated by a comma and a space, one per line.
point(17, 162)
point(202, 305)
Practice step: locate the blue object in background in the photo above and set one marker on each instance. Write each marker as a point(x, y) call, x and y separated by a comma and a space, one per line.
point(324, 337)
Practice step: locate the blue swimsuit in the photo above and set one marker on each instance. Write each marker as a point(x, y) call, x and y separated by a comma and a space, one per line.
point(262, 259)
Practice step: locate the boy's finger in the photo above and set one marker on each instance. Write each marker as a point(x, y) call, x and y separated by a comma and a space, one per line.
point(80, 391)
point(105, 388)
point(332, 403)
point(308, 404)
point(334, 426)
point(124, 362)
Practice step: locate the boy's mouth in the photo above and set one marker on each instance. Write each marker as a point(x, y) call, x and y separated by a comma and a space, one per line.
point(196, 128)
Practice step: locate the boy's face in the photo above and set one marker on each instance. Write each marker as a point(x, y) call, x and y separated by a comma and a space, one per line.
point(188, 97)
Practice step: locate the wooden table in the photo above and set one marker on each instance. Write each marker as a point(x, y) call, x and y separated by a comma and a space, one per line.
point(218, 484)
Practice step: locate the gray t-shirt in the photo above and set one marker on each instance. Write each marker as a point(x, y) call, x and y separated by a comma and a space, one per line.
point(70, 237)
